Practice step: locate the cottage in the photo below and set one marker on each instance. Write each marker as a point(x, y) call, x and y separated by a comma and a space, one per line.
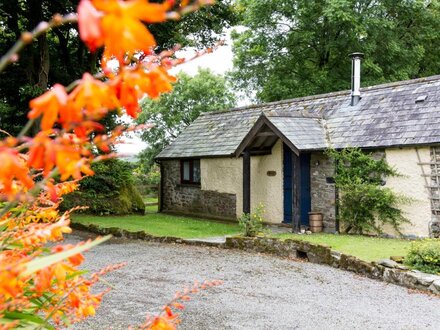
point(226, 163)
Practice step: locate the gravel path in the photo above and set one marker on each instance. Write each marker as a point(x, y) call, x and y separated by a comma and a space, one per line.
point(260, 292)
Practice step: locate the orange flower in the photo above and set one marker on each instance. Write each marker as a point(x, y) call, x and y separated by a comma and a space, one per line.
point(10, 284)
point(76, 259)
point(70, 163)
point(120, 28)
point(68, 153)
point(91, 100)
point(42, 152)
point(13, 167)
point(87, 127)
point(43, 279)
point(89, 23)
point(53, 192)
point(131, 85)
point(48, 105)
point(160, 82)
point(161, 323)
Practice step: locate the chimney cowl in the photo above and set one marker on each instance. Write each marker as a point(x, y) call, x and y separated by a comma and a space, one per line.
point(356, 77)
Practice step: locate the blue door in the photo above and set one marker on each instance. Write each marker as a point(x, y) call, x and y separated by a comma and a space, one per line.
point(305, 199)
point(287, 184)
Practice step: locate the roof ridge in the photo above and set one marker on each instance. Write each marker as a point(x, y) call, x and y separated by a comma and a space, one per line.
point(402, 83)
point(261, 105)
point(302, 116)
point(327, 95)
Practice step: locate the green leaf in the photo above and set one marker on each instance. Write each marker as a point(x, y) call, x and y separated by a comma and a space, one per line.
point(40, 263)
point(30, 318)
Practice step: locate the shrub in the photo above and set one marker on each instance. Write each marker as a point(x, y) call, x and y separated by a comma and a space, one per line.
point(364, 204)
point(110, 191)
point(424, 255)
point(252, 223)
point(147, 182)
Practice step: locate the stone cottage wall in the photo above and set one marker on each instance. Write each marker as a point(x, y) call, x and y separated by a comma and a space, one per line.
point(322, 191)
point(413, 166)
point(191, 199)
point(226, 175)
point(221, 191)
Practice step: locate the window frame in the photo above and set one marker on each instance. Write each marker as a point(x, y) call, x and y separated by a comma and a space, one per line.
point(191, 172)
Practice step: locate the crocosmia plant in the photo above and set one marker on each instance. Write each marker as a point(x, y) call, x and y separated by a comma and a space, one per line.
point(41, 285)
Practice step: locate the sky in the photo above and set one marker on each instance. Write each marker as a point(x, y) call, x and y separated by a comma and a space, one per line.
point(218, 61)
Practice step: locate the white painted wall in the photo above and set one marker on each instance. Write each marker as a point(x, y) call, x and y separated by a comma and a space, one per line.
point(411, 184)
point(225, 175)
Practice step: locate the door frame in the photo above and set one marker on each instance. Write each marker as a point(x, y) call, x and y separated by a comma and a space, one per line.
point(288, 186)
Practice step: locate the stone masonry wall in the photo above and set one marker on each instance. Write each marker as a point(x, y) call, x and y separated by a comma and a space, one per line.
point(322, 192)
point(190, 199)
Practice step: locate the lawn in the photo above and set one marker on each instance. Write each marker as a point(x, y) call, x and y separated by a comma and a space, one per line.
point(151, 208)
point(150, 199)
point(158, 224)
point(363, 247)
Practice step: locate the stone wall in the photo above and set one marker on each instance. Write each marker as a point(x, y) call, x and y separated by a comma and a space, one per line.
point(225, 175)
point(384, 270)
point(191, 199)
point(323, 192)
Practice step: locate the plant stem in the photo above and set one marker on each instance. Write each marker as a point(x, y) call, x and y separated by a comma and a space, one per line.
point(43, 27)
point(26, 128)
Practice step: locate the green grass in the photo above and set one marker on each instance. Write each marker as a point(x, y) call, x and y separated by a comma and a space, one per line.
point(363, 247)
point(162, 225)
point(150, 199)
point(151, 208)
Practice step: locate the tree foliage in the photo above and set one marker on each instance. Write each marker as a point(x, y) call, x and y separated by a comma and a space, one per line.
point(59, 56)
point(364, 204)
point(110, 190)
point(190, 97)
point(300, 47)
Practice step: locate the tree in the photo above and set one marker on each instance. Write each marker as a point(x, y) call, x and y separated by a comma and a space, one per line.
point(59, 56)
point(300, 47)
point(190, 97)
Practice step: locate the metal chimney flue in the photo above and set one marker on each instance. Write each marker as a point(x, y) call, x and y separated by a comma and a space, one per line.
point(356, 77)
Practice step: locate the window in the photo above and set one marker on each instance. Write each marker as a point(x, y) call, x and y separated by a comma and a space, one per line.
point(190, 171)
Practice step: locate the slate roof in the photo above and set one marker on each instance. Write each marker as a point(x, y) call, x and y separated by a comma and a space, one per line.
point(212, 135)
point(304, 133)
point(387, 115)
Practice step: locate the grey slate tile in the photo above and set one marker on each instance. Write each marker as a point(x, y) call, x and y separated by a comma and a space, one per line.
point(387, 115)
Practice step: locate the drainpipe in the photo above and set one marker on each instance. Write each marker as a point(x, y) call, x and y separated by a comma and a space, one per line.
point(356, 77)
point(337, 225)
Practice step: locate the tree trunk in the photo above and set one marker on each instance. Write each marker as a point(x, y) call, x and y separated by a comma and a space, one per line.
point(38, 69)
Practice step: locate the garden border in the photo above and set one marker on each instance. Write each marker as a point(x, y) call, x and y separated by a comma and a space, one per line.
point(385, 270)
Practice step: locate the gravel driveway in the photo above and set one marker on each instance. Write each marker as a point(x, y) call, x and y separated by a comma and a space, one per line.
point(260, 292)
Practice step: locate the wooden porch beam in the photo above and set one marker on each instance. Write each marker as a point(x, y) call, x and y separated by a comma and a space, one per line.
point(296, 192)
point(246, 181)
point(267, 134)
point(261, 152)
